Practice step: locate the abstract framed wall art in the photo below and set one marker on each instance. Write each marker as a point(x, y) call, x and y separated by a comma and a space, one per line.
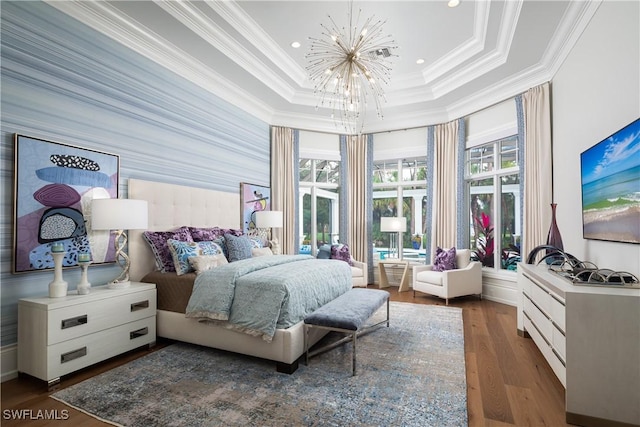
point(253, 198)
point(54, 185)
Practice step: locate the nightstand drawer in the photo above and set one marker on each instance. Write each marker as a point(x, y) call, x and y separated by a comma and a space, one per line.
point(78, 353)
point(81, 319)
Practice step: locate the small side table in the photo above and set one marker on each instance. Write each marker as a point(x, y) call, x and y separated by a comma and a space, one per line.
point(384, 282)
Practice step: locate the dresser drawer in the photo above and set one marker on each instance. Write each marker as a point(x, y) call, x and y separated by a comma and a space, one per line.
point(558, 314)
point(559, 343)
point(74, 321)
point(556, 364)
point(542, 298)
point(539, 319)
point(69, 356)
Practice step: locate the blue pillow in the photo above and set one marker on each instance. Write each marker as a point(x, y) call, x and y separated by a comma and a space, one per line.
point(238, 247)
point(324, 252)
point(181, 251)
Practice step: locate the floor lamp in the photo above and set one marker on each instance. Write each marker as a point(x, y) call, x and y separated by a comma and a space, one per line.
point(119, 215)
point(393, 225)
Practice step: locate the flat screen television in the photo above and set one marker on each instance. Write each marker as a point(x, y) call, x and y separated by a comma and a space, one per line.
point(610, 172)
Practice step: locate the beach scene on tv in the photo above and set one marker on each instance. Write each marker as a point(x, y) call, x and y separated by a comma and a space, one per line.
point(611, 187)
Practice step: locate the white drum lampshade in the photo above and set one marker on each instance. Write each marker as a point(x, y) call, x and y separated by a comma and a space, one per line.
point(119, 215)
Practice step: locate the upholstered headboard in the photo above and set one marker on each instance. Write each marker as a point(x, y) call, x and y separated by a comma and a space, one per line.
point(172, 206)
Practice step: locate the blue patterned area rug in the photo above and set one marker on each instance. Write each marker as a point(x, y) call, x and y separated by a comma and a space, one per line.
point(410, 374)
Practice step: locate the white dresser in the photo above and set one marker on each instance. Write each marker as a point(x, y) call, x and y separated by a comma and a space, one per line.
point(57, 336)
point(590, 336)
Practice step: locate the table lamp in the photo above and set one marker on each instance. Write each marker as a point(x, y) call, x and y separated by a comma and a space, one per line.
point(267, 220)
point(119, 215)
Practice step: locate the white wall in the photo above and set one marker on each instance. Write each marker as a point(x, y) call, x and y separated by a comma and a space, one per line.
point(490, 124)
point(594, 93)
point(318, 145)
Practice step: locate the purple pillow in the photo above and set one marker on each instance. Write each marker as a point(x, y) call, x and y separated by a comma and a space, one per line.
point(157, 240)
point(445, 259)
point(205, 234)
point(341, 252)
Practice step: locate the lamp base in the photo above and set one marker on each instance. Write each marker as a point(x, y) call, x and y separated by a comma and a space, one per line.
point(118, 285)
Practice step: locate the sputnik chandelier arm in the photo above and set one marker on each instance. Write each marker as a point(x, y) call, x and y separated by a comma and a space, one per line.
point(348, 66)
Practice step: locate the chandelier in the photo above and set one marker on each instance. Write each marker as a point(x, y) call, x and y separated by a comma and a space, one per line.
point(348, 67)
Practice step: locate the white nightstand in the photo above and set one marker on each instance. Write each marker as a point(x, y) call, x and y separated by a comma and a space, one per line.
point(57, 336)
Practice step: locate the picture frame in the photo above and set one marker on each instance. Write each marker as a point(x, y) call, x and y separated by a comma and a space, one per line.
point(253, 198)
point(54, 184)
point(610, 179)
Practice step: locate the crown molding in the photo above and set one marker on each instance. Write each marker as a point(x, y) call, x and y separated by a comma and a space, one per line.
point(491, 60)
point(106, 19)
point(447, 76)
point(467, 50)
point(250, 30)
point(211, 32)
point(573, 23)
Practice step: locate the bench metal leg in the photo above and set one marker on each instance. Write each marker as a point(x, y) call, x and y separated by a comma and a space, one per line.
point(355, 339)
point(306, 344)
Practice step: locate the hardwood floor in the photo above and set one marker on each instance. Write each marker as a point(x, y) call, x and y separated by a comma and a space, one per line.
point(508, 380)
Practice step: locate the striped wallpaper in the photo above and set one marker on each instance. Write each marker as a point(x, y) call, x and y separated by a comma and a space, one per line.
point(63, 82)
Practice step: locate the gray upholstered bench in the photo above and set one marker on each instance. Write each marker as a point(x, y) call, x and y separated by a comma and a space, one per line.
point(347, 314)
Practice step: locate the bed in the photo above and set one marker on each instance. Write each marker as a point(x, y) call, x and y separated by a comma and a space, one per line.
point(172, 206)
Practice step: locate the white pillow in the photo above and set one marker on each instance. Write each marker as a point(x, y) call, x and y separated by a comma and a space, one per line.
point(260, 252)
point(207, 262)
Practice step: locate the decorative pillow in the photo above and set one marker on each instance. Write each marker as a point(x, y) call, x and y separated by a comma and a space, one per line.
point(324, 252)
point(157, 240)
point(202, 234)
point(445, 259)
point(261, 252)
point(181, 251)
point(207, 262)
point(341, 252)
point(238, 247)
point(257, 242)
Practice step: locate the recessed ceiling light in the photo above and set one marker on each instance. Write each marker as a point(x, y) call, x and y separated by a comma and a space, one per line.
point(295, 45)
point(453, 3)
point(420, 61)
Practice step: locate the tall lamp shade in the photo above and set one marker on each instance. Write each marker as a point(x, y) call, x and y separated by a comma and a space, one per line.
point(119, 215)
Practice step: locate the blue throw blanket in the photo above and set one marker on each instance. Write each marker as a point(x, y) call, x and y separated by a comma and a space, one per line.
point(259, 295)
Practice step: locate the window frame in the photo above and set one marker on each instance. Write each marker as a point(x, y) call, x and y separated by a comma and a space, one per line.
point(497, 173)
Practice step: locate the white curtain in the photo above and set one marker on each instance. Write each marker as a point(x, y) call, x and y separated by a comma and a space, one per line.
point(538, 179)
point(357, 196)
point(284, 194)
point(445, 186)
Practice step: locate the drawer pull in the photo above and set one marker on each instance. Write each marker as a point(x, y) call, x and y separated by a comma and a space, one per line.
point(139, 305)
point(75, 354)
point(139, 333)
point(74, 321)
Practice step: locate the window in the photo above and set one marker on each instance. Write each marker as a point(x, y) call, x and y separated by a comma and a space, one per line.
point(399, 189)
point(319, 190)
point(493, 188)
